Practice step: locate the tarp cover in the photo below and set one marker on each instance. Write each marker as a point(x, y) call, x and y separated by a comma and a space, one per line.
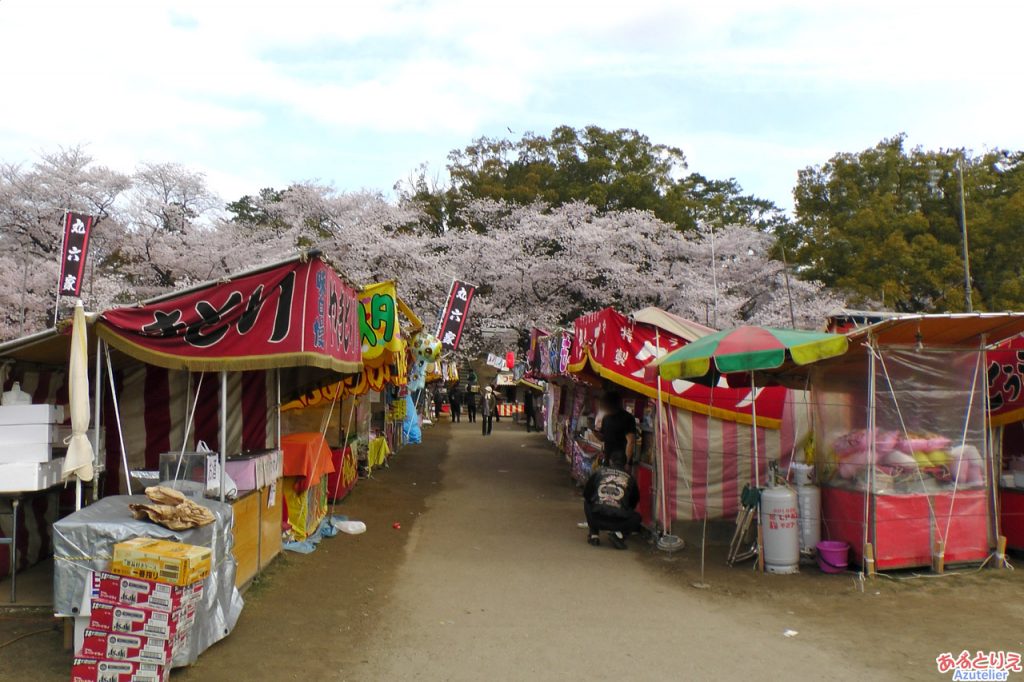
point(83, 542)
point(619, 349)
point(296, 314)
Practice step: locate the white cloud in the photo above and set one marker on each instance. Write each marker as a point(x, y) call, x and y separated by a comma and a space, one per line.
point(206, 82)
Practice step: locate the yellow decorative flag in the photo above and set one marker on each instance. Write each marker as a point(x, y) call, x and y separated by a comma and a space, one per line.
point(379, 332)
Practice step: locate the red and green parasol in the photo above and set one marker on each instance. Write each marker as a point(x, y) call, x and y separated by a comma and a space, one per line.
point(749, 349)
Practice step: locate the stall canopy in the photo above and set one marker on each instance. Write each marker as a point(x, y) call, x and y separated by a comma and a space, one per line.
point(618, 349)
point(680, 326)
point(383, 343)
point(298, 313)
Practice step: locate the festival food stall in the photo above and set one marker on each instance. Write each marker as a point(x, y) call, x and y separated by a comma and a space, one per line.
point(707, 436)
point(208, 365)
point(1006, 417)
point(901, 445)
point(361, 416)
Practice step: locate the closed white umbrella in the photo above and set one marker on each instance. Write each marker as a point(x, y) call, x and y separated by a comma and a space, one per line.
point(78, 461)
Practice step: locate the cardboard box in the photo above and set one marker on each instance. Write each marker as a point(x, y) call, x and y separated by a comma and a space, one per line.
point(29, 476)
point(112, 617)
point(137, 592)
point(122, 646)
point(174, 563)
point(93, 670)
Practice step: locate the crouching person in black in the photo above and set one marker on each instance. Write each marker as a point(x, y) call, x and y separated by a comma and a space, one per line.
point(609, 501)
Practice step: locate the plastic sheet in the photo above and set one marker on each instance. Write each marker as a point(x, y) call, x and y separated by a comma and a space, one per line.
point(411, 432)
point(83, 542)
point(928, 429)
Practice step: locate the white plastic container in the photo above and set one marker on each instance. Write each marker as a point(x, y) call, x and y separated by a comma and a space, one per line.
point(809, 503)
point(15, 396)
point(780, 521)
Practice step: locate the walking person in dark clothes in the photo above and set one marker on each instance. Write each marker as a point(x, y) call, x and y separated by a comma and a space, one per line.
point(528, 411)
point(488, 404)
point(470, 402)
point(455, 400)
point(617, 432)
point(609, 502)
point(438, 402)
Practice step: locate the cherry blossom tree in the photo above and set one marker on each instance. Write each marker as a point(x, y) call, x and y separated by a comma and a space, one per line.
point(33, 199)
point(163, 228)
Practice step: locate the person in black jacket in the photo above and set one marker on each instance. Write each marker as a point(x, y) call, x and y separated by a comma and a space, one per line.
point(470, 402)
point(455, 400)
point(529, 411)
point(609, 502)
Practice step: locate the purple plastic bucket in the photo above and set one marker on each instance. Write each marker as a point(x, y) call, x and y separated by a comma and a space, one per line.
point(832, 555)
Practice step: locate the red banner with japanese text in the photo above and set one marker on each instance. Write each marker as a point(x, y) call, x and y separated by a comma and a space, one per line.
point(295, 314)
point(1006, 382)
point(618, 349)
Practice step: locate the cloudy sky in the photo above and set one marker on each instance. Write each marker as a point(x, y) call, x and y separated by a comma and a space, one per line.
point(258, 93)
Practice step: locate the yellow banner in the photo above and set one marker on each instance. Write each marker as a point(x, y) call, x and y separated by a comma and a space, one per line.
point(380, 335)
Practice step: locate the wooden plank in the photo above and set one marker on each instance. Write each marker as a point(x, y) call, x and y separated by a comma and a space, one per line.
point(270, 524)
point(246, 530)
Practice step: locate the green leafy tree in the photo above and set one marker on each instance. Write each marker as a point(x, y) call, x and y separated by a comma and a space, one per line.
point(612, 170)
point(884, 224)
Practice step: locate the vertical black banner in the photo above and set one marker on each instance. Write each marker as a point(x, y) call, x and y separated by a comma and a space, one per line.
point(77, 227)
point(453, 317)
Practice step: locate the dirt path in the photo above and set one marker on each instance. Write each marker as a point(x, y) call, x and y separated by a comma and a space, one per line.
point(489, 578)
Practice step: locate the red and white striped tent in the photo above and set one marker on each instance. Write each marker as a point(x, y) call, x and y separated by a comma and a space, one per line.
point(706, 432)
point(280, 331)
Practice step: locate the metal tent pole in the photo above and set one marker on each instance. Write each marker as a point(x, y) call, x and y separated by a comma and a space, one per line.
point(223, 433)
point(97, 402)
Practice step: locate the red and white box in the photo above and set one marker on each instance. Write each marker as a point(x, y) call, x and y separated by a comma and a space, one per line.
point(117, 589)
point(93, 670)
point(140, 620)
point(122, 646)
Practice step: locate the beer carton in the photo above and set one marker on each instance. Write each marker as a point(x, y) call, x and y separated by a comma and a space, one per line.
point(174, 563)
point(119, 589)
point(120, 646)
point(139, 620)
point(93, 670)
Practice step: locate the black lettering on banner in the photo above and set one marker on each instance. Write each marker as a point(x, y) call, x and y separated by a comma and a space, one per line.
point(252, 311)
point(165, 325)
point(283, 318)
point(199, 333)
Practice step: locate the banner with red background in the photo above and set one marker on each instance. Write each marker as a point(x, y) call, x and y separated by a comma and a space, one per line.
point(618, 349)
point(295, 314)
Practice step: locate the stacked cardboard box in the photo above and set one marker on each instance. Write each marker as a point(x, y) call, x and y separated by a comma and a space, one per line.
point(136, 624)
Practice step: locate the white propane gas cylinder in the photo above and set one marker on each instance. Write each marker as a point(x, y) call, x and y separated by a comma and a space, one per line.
point(809, 502)
point(779, 524)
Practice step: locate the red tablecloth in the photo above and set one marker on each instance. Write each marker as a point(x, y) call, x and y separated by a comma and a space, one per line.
point(306, 455)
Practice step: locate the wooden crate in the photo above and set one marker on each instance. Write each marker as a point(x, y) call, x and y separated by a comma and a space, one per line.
point(270, 524)
point(247, 536)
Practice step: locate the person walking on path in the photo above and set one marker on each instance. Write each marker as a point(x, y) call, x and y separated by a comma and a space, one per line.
point(471, 405)
point(488, 405)
point(455, 400)
point(438, 404)
point(529, 411)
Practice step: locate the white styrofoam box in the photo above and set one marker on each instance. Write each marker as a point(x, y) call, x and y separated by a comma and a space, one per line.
point(30, 453)
point(17, 434)
point(30, 476)
point(31, 414)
